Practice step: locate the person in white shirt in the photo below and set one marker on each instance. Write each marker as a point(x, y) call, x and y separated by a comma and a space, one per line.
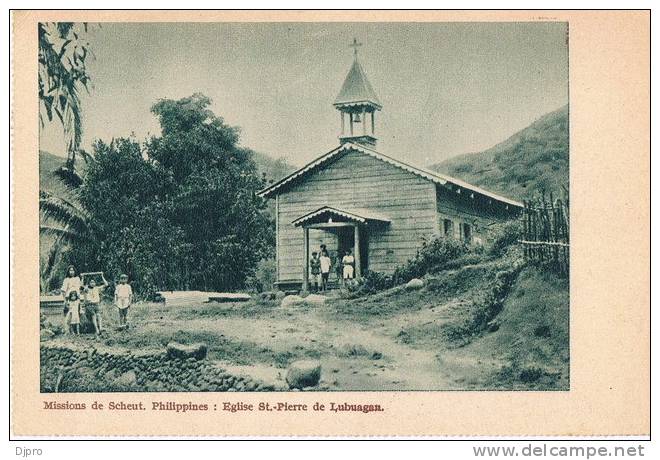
point(123, 300)
point(348, 263)
point(326, 263)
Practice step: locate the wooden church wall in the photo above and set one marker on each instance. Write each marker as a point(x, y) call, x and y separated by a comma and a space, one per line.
point(357, 180)
point(461, 209)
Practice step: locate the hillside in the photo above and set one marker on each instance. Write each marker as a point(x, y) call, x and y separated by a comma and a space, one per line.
point(274, 169)
point(534, 159)
point(48, 181)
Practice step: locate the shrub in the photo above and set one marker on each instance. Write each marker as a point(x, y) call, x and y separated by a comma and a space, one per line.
point(483, 309)
point(433, 255)
point(370, 283)
point(264, 276)
point(503, 236)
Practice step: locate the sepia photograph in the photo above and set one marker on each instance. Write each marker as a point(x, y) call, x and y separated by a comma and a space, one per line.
point(304, 206)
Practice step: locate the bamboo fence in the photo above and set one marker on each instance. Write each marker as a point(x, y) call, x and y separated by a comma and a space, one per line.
point(545, 237)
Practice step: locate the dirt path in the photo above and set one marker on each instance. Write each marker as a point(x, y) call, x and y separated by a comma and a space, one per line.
point(356, 355)
point(353, 356)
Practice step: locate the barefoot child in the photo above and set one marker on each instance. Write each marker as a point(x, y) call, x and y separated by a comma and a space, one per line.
point(315, 271)
point(73, 315)
point(93, 303)
point(123, 300)
point(72, 282)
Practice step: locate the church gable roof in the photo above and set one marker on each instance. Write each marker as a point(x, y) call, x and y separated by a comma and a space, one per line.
point(436, 178)
point(356, 88)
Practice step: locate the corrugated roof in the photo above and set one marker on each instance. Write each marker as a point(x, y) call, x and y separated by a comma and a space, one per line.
point(355, 214)
point(433, 176)
point(356, 88)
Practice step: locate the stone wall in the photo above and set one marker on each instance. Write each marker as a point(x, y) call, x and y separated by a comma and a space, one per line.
point(65, 370)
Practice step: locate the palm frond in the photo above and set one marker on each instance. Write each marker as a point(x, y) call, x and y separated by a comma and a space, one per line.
point(85, 155)
point(69, 216)
point(69, 176)
point(61, 235)
point(48, 266)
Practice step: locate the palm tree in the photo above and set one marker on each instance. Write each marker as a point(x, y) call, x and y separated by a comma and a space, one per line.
point(63, 219)
point(62, 75)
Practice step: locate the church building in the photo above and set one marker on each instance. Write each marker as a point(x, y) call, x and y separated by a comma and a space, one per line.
point(379, 207)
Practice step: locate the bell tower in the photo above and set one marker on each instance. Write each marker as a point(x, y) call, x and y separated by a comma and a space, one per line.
point(357, 103)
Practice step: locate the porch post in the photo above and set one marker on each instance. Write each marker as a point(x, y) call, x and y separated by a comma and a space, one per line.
point(356, 255)
point(306, 261)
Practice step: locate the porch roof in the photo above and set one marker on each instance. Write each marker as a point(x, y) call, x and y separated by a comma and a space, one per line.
point(357, 215)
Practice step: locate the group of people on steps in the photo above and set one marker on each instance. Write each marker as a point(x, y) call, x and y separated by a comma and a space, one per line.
point(321, 264)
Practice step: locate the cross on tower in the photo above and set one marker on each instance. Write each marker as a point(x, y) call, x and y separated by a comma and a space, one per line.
point(355, 46)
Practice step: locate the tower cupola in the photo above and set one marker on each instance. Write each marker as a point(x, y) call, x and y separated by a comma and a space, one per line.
point(357, 103)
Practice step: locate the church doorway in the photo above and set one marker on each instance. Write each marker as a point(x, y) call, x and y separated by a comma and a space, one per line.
point(346, 241)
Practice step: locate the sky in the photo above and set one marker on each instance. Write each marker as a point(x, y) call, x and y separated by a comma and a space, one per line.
point(446, 88)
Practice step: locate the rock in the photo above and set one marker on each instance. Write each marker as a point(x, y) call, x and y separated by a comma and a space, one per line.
point(46, 334)
point(228, 297)
point(127, 379)
point(177, 350)
point(292, 300)
point(493, 326)
point(415, 283)
point(279, 295)
point(315, 299)
point(267, 296)
point(303, 374)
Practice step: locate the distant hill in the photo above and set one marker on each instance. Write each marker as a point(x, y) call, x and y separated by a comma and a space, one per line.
point(275, 169)
point(48, 181)
point(532, 160)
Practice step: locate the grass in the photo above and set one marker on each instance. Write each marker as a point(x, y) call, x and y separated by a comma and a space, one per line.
point(533, 336)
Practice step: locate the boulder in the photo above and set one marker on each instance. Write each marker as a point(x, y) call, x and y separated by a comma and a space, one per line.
point(127, 379)
point(303, 374)
point(267, 296)
point(292, 300)
point(46, 334)
point(493, 326)
point(315, 299)
point(279, 295)
point(177, 350)
point(415, 283)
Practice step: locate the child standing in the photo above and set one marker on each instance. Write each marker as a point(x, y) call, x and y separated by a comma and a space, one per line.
point(72, 282)
point(73, 315)
point(93, 303)
point(348, 263)
point(123, 300)
point(315, 270)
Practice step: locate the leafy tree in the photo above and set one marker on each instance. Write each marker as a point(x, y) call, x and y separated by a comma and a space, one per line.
point(213, 184)
point(180, 211)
